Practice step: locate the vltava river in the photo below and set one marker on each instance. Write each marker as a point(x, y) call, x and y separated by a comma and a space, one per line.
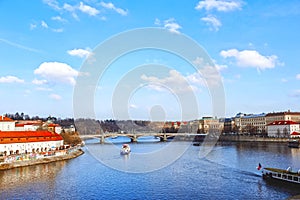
point(227, 172)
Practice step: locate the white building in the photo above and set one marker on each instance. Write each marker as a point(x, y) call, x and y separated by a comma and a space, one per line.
point(6, 124)
point(18, 142)
point(27, 127)
point(282, 128)
point(25, 138)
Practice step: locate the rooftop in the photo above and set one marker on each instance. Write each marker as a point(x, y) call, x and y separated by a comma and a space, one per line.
point(3, 118)
point(282, 123)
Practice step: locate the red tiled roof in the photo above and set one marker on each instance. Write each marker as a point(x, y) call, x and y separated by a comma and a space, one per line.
point(295, 133)
point(282, 123)
point(21, 125)
point(3, 118)
point(28, 136)
point(53, 125)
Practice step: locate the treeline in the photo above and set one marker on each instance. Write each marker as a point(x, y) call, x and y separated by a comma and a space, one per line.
point(21, 116)
point(92, 126)
point(85, 126)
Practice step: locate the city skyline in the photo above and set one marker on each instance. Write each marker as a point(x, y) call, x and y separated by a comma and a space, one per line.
point(45, 43)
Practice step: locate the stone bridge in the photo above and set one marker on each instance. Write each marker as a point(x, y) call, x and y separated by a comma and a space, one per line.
point(134, 136)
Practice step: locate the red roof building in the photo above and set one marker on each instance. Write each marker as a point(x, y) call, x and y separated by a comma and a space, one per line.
point(3, 118)
point(17, 142)
point(282, 128)
point(295, 134)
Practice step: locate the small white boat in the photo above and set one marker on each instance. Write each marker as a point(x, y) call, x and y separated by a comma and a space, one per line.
point(125, 149)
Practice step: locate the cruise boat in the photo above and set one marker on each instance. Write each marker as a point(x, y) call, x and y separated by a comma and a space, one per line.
point(125, 149)
point(282, 176)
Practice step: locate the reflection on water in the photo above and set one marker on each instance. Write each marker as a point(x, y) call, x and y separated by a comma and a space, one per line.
point(227, 172)
point(43, 176)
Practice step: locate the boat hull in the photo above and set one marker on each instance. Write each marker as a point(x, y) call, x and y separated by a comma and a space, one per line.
point(281, 178)
point(293, 144)
point(125, 152)
point(280, 183)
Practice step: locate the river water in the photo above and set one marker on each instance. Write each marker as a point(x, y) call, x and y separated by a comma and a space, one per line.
point(227, 172)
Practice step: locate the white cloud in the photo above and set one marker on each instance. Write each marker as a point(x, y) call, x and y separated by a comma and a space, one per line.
point(220, 67)
point(82, 53)
point(43, 89)
point(68, 7)
point(174, 82)
point(251, 58)
point(169, 24)
point(284, 80)
point(58, 18)
point(212, 22)
point(57, 30)
point(39, 82)
point(88, 9)
point(133, 106)
point(206, 76)
point(219, 5)
point(52, 3)
point(172, 26)
point(298, 76)
point(10, 79)
point(113, 7)
point(32, 26)
point(55, 96)
point(157, 22)
point(57, 72)
point(44, 24)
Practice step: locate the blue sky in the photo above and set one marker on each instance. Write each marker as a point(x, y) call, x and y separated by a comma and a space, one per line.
point(254, 45)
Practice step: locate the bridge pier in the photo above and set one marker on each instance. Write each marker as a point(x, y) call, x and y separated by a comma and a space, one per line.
point(134, 138)
point(164, 138)
point(102, 139)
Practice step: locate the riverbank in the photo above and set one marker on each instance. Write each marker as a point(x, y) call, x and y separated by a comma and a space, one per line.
point(246, 138)
point(45, 160)
point(297, 197)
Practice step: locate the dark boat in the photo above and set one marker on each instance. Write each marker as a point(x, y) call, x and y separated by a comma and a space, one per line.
point(293, 143)
point(281, 176)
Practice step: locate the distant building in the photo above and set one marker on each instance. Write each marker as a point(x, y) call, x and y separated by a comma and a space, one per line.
point(6, 124)
point(54, 128)
point(229, 125)
point(238, 123)
point(254, 123)
point(69, 129)
point(249, 123)
point(28, 126)
point(210, 125)
point(282, 128)
point(283, 116)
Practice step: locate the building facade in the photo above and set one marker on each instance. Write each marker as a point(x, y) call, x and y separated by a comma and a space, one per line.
point(26, 138)
point(283, 116)
point(254, 123)
point(211, 125)
point(19, 142)
point(282, 128)
point(6, 124)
